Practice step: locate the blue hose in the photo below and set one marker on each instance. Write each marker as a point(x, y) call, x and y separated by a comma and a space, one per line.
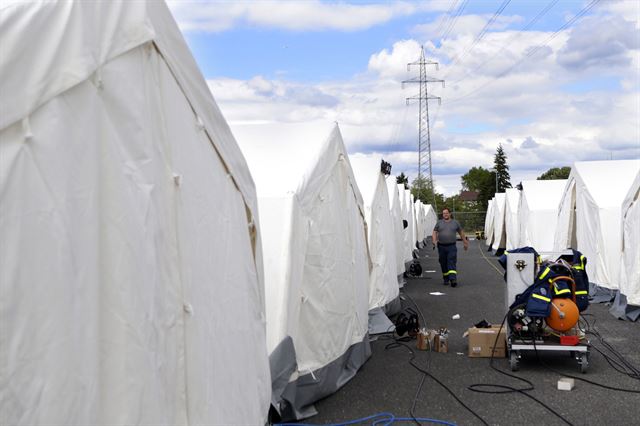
point(380, 419)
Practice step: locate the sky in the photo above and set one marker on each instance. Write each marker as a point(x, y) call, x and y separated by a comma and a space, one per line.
point(553, 81)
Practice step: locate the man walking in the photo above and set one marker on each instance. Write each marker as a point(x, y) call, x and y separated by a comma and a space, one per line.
point(444, 236)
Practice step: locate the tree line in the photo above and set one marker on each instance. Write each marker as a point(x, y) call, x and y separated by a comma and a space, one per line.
point(486, 182)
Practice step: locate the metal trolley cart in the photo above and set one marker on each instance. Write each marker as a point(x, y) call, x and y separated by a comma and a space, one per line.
point(516, 346)
point(558, 332)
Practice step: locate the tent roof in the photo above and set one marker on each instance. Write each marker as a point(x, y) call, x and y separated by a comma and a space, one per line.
point(543, 194)
point(623, 172)
point(513, 199)
point(366, 169)
point(74, 57)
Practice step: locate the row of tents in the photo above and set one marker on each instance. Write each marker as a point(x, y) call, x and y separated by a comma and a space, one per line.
point(596, 211)
point(153, 270)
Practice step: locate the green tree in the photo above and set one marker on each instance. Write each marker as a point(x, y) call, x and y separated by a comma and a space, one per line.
point(421, 191)
point(500, 166)
point(556, 173)
point(402, 178)
point(481, 180)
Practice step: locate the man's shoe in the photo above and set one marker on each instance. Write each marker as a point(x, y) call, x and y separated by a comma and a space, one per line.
point(446, 283)
point(454, 283)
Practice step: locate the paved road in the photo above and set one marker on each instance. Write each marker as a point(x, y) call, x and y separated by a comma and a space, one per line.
point(387, 383)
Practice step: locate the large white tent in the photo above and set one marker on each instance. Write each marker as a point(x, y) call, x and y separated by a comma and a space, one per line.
point(430, 219)
point(407, 217)
point(130, 268)
point(383, 284)
point(499, 228)
point(396, 217)
point(488, 223)
point(630, 282)
point(420, 221)
point(316, 261)
point(511, 218)
point(597, 204)
point(538, 212)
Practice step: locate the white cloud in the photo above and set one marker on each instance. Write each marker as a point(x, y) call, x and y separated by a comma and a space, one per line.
point(540, 124)
point(310, 15)
point(466, 25)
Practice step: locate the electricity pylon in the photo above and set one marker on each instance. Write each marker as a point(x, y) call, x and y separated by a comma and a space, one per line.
point(424, 133)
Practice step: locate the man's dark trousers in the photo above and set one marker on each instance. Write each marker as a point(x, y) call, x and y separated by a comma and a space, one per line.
point(448, 256)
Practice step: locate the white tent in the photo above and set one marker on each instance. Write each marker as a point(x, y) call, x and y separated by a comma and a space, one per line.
point(430, 220)
point(396, 216)
point(630, 282)
point(538, 212)
point(591, 218)
point(316, 261)
point(419, 218)
point(407, 217)
point(130, 268)
point(488, 223)
point(413, 225)
point(383, 286)
point(499, 229)
point(511, 218)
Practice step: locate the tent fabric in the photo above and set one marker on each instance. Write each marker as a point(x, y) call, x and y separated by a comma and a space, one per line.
point(414, 221)
point(396, 217)
point(383, 286)
point(630, 283)
point(488, 223)
point(317, 261)
point(407, 232)
point(431, 218)
point(538, 213)
point(499, 229)
point(130, 264)
point(511, 218)
point(591, 219)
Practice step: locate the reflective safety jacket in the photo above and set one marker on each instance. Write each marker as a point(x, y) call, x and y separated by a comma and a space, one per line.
point(578, 262)
point(538, 296)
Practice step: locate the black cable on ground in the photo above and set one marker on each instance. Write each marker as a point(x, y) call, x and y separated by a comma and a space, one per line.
point(430, 375)
point(482, 387)
point(426, 372)
point(602, 385)
point(618, 361)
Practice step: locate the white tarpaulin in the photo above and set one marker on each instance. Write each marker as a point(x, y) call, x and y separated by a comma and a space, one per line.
point(396, 217)
point(488, 223)
point(130, 267)
point(431, 218)
point(315, 252)
point(591, 217)
point(511, 218)
point(407, 217)
point(499, 229)
point(383, 287)
point(538, 212)
point(630, 283)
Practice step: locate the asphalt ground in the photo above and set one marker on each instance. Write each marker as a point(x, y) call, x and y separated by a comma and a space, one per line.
point(388, 383)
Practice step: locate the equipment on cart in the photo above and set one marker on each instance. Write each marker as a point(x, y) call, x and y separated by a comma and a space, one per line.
point(544, 314)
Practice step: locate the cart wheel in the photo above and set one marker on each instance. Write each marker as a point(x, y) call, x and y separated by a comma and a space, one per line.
point(584, 363)
point(514, 361)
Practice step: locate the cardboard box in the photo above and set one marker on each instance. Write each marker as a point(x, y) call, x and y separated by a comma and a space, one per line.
point(440, 343)
point(481, 342)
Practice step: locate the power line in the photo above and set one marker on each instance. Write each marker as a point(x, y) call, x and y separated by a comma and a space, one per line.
point(454, 20)
point(446, 18)
point(530, 53)
point(480, 35)
point(539, 16)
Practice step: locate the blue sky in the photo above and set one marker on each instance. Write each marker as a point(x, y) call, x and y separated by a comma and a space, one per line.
point(576, 98)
